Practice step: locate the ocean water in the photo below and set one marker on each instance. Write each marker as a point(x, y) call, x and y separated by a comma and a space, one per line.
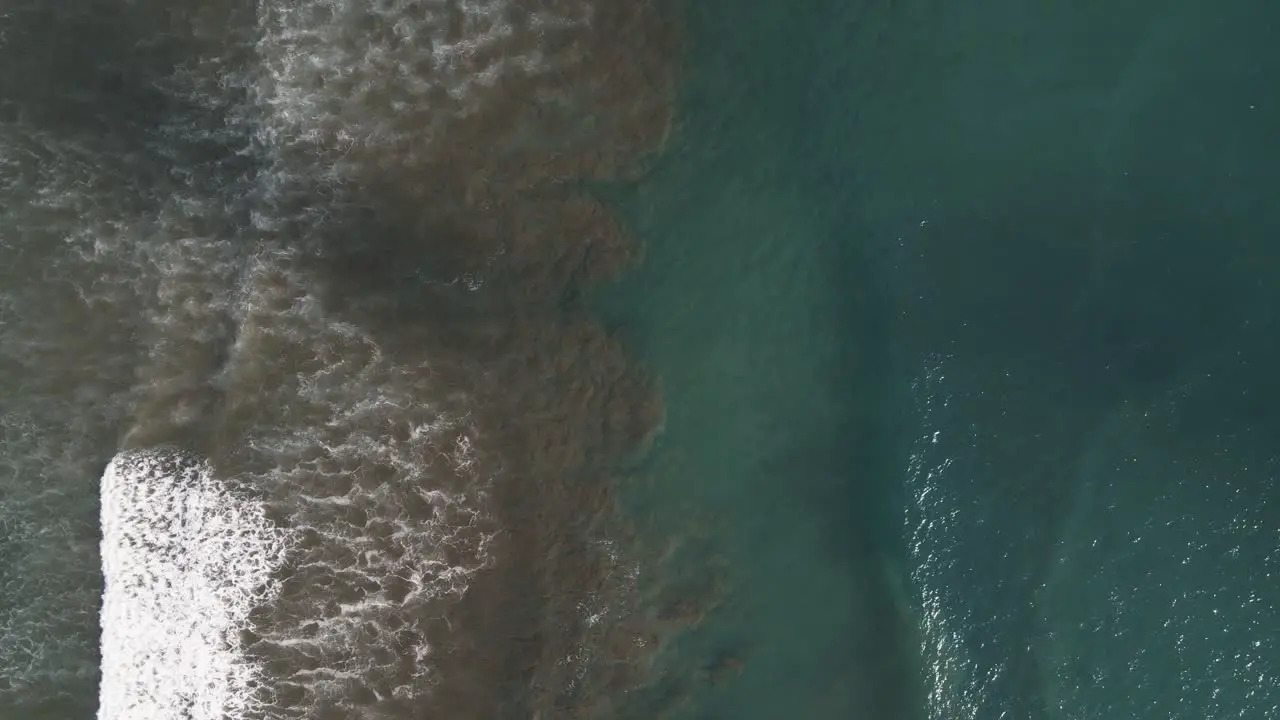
point(302, 416)
point(937, 380)
point(1093, 520)
point(965, 317)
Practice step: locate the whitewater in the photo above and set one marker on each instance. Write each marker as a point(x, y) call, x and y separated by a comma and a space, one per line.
point(293, 273)
point(185, 561)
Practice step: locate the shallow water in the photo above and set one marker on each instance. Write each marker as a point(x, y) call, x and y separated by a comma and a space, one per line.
point(307, 273)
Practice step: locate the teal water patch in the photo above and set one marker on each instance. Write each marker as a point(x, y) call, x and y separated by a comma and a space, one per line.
point(1013, 262)
point(1085, 275)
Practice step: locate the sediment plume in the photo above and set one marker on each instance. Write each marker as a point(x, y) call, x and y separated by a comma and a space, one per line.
point(338, 267)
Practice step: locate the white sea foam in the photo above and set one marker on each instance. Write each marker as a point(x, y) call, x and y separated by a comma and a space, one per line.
point(185, 560)
point(327, 56)
point(361, 86)
point(379, 479)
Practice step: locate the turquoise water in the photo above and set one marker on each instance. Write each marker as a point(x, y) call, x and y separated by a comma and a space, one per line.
point(964, 314)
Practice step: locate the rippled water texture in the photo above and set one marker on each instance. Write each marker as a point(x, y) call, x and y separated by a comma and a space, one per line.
point(308, 272)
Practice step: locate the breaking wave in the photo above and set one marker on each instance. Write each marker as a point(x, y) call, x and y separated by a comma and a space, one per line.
point(186, 559)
